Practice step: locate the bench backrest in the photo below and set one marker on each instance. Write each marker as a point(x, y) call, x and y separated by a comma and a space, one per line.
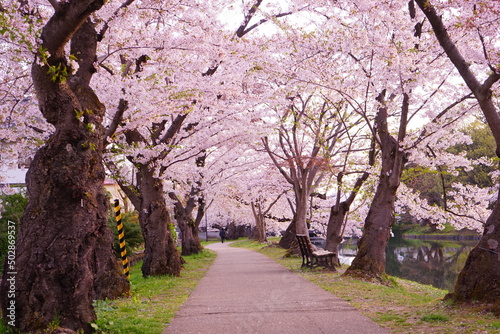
point(304, 244)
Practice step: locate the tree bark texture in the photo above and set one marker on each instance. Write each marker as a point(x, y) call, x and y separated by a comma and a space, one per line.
point(190, 241)
point(339, 211)
point(370, 259)
point(334, 229)
point(479, 280)
point(161, 254)
point(64, 249)
point(260, 222)
point(288, 238)
point(302, 200)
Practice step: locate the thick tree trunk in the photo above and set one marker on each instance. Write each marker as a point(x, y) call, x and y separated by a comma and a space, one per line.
point(288, 238)
point(261, 230)
point(302, 200)
point(195, 243)
point(370, 259)
point(334, 229)
point(64, 249)
point(190, 241)
point(161, 254)
point(479, 280)
point(260, 223)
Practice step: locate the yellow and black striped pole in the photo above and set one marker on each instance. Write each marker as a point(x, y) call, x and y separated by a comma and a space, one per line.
point(121, 239)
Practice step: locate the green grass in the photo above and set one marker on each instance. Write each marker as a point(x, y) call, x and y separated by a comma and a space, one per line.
point(434, 318)
point(402, 306)
point(153, 301)
point(4, 329)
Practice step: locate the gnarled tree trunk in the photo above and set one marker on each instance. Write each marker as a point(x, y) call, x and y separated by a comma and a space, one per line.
point(64, 249)
point(370, 259)
point(339, 211)
point(260, 222)
point(334, 228)
point(161, 255)
point(288, 238)
point(190, 241)
point(479, 280)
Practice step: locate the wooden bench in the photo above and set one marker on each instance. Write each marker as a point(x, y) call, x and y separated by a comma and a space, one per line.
point(312, 257)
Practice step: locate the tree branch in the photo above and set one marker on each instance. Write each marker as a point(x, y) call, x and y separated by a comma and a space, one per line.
point(105, 27)
point(265, 142)
point(117, 118)
point(174, 128)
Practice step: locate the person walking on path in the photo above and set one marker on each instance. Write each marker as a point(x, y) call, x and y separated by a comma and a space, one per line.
point(222, 235)
point(246, 292)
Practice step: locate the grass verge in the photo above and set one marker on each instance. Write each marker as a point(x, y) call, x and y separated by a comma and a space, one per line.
point(153, 301)
point(403, 307)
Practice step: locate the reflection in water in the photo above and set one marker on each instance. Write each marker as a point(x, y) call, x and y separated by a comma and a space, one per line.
point(433, 262)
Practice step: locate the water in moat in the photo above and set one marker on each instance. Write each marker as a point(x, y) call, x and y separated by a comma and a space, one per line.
point(433, 262)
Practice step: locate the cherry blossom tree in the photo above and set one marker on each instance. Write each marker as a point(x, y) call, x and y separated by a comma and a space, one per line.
point(183, 211)
point(199, 52)
point(264, 193)
point(22, 128)
point(64, 225)
point(308, 131)
point(373, 48)
point(371, 247)
point(477, 281)
point(339, 211)
point(153, 130)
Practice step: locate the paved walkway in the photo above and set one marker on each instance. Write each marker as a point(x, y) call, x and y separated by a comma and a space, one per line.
point(246, 292)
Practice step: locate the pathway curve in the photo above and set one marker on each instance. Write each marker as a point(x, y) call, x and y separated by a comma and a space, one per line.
point(246, 292)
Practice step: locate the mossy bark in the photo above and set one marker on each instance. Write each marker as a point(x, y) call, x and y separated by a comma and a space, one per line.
point(161, 254)
point(64, 256)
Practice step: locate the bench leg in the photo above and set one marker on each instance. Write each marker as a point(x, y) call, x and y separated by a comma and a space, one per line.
point(326, 261)
point(306, 262)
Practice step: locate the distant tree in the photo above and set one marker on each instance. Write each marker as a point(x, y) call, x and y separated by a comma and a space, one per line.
point(308, 135)
point(482, 147)
point(189, 225)
point(437, 185)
